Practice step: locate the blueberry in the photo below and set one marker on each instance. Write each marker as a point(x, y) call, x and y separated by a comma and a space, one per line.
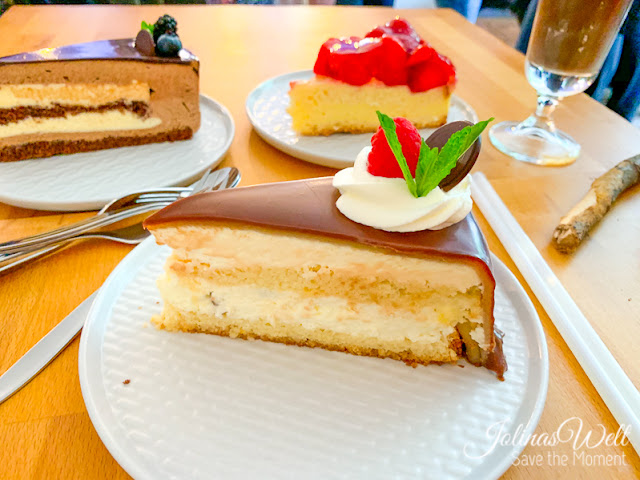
point(168, 45)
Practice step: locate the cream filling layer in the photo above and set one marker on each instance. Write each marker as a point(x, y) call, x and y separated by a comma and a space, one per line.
point(85, 95)
point(109, 120)
point(329, 313)
point(225, 247)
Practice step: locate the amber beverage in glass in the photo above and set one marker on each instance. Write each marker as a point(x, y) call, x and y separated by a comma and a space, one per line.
point(569, 42)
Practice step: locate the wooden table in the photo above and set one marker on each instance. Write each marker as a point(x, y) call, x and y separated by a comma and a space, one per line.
point(45, 431)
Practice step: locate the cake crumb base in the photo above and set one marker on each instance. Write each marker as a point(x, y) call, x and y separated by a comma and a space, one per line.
point(314, 130)
point(175, 321)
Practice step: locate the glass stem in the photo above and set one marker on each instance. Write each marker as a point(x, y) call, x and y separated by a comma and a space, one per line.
point(546, 106)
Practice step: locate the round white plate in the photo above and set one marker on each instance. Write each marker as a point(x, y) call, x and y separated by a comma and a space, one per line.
point(200, 406)
point(87, 181)
point(267, 110)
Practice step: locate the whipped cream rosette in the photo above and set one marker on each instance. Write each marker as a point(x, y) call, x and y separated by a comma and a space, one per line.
point(405, 184)
point(387, 204)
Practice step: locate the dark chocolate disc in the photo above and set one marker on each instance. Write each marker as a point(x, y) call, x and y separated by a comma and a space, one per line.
point(144, 43)
point(465, 162)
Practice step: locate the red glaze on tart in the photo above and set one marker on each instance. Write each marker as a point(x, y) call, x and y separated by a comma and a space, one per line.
point(392, 53)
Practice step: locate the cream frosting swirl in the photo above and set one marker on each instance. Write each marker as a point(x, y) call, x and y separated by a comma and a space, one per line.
point(386, 203)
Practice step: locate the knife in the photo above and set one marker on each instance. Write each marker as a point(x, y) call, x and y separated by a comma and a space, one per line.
point(43, 352)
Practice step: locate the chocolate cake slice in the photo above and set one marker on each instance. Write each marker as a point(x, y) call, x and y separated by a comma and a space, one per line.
point(279, 262)
point(92, 96)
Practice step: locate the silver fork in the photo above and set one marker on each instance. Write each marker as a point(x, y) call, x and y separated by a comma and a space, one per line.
point(132, 234)
point(122, 208)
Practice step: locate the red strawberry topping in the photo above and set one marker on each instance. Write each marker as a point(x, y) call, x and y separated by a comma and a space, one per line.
point(390, 62)
point(421, 54)
point(349, 60)
point(392, 53)
point(382, 161)
point(435, 72)
point(401, 30)
point(322, 62)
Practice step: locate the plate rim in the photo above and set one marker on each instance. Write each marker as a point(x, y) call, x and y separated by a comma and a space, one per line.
point(89, 205)
point(304, 155)
point(534, 419)
point(101, 414)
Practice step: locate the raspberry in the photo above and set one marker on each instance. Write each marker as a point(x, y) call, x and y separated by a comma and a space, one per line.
point(382, 161)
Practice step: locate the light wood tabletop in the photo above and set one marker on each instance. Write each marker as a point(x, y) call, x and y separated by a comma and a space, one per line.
point(45, 431)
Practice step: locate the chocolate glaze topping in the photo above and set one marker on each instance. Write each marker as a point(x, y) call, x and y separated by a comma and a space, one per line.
point(496, 360)
point(122, 49)
point(309, 207)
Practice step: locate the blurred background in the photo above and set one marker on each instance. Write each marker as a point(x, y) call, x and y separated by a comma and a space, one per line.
point(617, 86)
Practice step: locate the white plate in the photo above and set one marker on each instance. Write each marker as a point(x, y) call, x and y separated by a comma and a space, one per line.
point(201, 406)
point(87, 181)
point(267, 110)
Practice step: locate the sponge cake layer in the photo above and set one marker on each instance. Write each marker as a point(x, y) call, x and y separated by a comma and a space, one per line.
point(323, 106)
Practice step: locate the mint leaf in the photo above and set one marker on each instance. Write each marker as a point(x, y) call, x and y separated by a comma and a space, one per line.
point(147, 26)
point(433, 164)
point(448, 156)
point(426, 160)
point(389, 128)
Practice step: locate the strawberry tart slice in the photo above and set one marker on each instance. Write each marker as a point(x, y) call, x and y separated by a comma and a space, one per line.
point(391, 69)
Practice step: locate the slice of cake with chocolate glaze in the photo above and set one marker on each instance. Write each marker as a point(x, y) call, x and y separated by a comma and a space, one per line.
point(96, 95)
point(309, 264)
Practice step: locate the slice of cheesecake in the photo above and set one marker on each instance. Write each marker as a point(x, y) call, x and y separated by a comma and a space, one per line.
point(92, 96)
point(391, 69)
point(279, 262)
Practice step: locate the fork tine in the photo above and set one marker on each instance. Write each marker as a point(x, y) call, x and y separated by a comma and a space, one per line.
point(224, 178)
point(197, 185)
point(153, 198)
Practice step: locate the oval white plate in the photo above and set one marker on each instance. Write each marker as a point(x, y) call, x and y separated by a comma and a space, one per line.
point(200, 406)
point(267, 110)
point(87, 181)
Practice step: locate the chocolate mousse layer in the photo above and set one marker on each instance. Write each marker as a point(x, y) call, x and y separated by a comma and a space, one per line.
point(308, 207)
